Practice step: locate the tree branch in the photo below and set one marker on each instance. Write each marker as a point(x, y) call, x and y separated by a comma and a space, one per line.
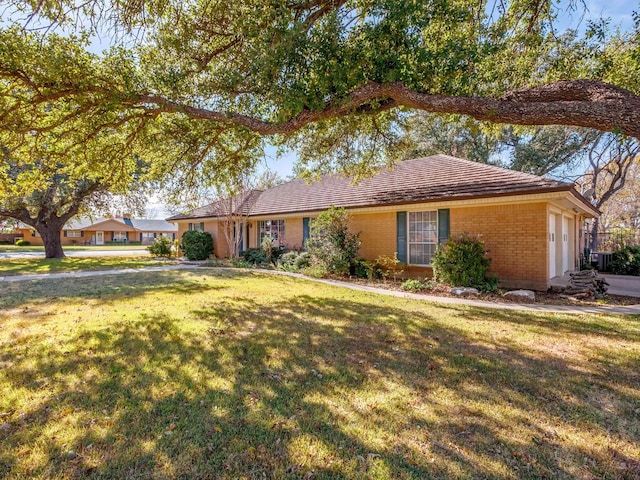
point(585, 103)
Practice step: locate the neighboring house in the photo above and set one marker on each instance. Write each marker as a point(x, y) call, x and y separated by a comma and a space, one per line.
point(532, 227)
point(105, 231)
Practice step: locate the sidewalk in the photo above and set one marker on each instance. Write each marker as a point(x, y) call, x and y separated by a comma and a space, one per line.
point(614, 309)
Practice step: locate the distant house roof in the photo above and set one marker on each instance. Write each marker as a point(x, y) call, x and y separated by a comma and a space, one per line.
point(146, 225)
point(140, 224)
point(427, 179)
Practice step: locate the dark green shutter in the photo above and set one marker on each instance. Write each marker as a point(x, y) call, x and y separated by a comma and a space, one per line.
point(305, 230)
point(443, 225)
point(65, 233)
point(401, 236)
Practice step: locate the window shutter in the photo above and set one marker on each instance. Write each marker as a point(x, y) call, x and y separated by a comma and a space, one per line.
point(443, 225)
point(401, 236)
point(305, 230)
point(82, 233)
point(202, 226)
point(65, 233)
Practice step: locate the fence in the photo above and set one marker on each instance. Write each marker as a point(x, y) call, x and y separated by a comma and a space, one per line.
point(615, 239)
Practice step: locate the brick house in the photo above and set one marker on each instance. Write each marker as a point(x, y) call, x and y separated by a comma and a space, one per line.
point(532, 226)
point(105, 231)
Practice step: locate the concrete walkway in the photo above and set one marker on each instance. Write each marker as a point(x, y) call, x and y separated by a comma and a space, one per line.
point(613, 309)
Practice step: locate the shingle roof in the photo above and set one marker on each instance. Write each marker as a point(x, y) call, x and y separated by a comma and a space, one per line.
point(79, 223)
point(142, 224)
point(435, 178)
point(146, 225)
point(240, 205)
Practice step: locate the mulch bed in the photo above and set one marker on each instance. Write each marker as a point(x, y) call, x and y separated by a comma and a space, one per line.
point(552, 297)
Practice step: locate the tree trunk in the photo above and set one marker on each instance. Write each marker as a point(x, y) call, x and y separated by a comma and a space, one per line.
point(593, 237)
point(51, 238)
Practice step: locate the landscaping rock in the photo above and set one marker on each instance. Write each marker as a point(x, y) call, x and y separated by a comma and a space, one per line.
point(464, 292)
point(521, 295)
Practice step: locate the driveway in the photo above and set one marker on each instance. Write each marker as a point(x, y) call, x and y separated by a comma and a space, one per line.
point(623, 284)
point(626, 285)
point(77, 253)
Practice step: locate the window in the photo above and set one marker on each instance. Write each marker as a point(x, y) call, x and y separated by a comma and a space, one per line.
point(423, 237)
point(119, 236)
point(196, 227)
point(273, 229)
point(148, 235)
point(73, 233)
point(34, 233)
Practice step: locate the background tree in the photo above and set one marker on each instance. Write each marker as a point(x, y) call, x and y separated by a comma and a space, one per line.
point(47, 178)
point(233, 204)
point(336, 74)
point(610, 159)
point(602, 163)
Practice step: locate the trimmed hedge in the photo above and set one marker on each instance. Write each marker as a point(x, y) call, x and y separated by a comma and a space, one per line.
point(462, 262)
point(197, 245)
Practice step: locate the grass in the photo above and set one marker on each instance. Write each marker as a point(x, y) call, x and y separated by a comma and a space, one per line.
point(75, 248)
point(209, 374)
point(26, 266)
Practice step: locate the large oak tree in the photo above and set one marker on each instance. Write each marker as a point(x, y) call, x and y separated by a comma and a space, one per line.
point(47, 178)
point(332, 78)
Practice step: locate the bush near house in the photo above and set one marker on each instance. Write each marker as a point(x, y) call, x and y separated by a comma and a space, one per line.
point(197, 245)
point(161, 247)
point(462, 262)
point(331, 244)
point(626, 261)
point(23, 243)
point(254, 256)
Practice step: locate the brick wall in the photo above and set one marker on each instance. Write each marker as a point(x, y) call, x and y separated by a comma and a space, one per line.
point(515, 237)
point(378, 233)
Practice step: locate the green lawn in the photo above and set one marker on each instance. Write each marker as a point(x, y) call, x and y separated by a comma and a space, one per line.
point(35, 248)
point(230, 374)
point(26, 266)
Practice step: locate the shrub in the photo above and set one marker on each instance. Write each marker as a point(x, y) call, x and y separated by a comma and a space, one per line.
point(23, 243)
point(302, 261)
point(362, 269)
point(5, 242)
point(268, 247)
point(294, 261)
point(626, 261)
point(197, 245)
point(287, 261)
point(412, 285)
point(241, 263)
point(462, 262)
point(316, 271)
point(387, 266)
point(254, 256)
point(330, 242)
point(161, 247)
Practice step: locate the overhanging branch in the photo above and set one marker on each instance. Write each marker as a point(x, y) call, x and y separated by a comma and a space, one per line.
point(584, 103)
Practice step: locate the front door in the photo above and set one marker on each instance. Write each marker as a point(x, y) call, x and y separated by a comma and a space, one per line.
point(552, 246)
point(99, 238)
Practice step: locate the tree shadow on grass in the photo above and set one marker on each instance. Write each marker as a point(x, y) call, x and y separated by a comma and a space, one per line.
point(315, 385)
point(108, 287)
